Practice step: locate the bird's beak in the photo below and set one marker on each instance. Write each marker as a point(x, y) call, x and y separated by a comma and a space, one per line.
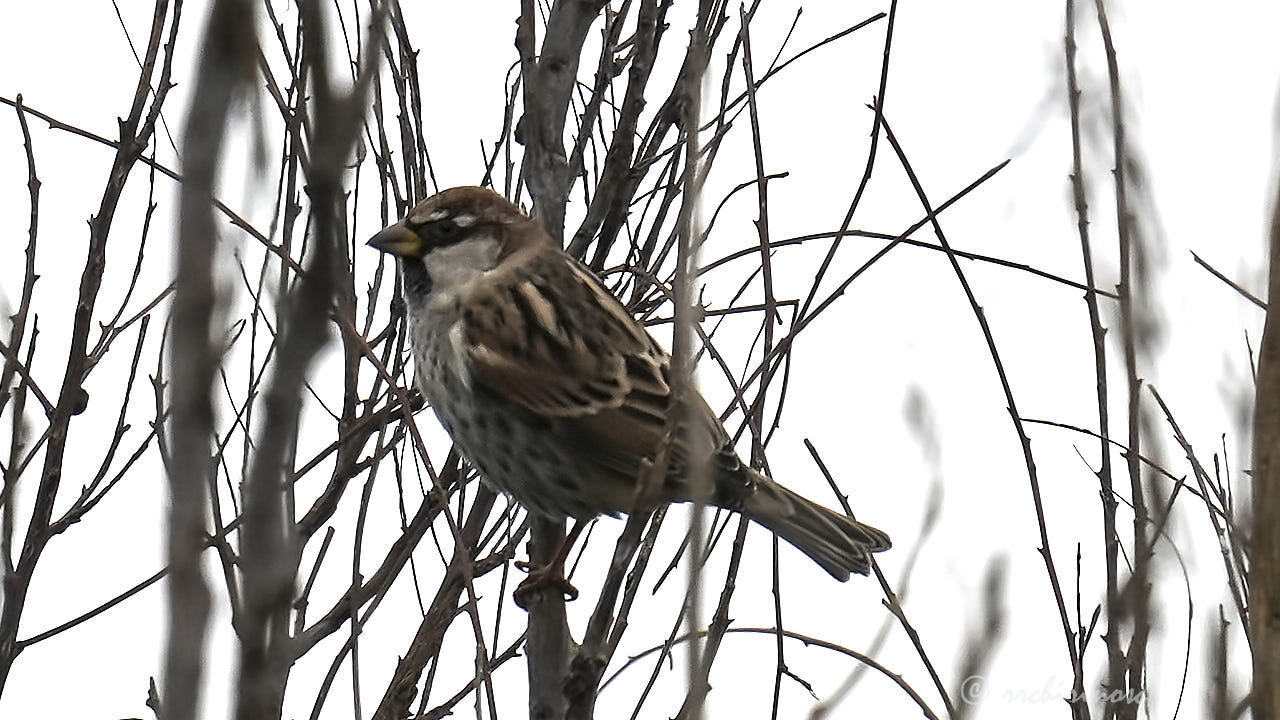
point(398, 240)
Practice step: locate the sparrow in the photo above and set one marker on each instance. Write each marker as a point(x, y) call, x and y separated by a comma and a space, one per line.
point(560, 398)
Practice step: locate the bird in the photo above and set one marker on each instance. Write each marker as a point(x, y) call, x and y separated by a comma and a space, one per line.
point(561, 399)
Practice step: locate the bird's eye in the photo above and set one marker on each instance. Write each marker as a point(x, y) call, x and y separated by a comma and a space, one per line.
point(445, 231)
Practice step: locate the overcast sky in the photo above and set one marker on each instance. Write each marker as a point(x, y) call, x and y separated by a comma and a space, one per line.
point(971, 85)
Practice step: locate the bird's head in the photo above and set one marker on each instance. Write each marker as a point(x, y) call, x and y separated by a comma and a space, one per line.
point(450, 237)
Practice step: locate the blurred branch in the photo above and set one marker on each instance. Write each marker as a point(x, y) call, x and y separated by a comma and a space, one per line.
point(220, 77)
point(980, 642)
point(683, 392)
point(270, 547)
point(1264, 585)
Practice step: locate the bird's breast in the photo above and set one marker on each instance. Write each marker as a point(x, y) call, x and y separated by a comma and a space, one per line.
point(437, 337)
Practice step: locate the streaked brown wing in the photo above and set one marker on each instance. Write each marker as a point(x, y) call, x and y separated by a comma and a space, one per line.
point(574, 354)
point(547, 336)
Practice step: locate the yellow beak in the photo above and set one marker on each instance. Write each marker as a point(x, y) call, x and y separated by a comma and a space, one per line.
point(398, 240)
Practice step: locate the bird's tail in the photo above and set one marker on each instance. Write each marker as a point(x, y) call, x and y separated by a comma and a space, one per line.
point(839, 544)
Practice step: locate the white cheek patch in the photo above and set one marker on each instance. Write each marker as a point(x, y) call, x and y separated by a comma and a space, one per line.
point(458, 263)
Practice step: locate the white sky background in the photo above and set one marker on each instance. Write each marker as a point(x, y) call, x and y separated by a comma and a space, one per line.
point(970, 85)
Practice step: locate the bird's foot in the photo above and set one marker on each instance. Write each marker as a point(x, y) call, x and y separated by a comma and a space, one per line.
point(542, 578)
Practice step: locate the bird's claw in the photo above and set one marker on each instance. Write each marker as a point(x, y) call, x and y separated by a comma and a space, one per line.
point(542, 577)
